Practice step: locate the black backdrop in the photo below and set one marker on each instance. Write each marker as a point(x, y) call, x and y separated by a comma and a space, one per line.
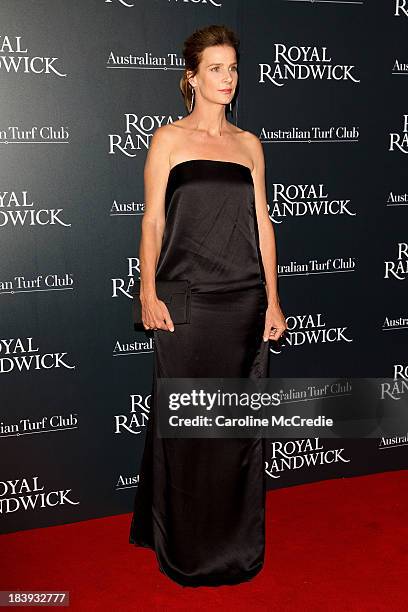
point(84, 85)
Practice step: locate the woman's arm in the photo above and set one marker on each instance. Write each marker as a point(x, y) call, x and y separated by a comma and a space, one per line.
point(274, 319)
point(156, 173)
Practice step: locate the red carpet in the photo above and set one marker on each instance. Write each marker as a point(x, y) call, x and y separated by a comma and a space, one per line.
point(332, 545)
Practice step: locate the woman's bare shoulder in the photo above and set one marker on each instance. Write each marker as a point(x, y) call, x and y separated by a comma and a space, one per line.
point(165, 138)
point(248, 143)
point(246, 138)
point(251, 141)
point(168, 136)
point(164, 133)
point(245, 134)
point(180, 123)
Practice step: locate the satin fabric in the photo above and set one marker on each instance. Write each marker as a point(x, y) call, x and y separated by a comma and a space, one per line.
point(200, 503)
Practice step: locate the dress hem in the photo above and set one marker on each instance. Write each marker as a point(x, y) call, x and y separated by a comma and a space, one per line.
point(209, 582)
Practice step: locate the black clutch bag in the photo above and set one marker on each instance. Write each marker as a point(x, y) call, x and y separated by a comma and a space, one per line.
point(176, 294)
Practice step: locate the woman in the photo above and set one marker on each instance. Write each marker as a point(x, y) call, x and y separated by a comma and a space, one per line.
point(200, 503)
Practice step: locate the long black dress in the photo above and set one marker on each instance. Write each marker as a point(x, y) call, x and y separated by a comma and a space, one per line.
point(200, 503)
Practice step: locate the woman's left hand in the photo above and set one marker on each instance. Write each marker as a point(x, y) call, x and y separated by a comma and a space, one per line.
point(275, 323)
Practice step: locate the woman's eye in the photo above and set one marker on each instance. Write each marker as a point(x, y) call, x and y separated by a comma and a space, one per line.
point(216, 68)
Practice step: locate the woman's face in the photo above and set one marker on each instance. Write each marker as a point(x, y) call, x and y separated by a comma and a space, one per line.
point(218, 71)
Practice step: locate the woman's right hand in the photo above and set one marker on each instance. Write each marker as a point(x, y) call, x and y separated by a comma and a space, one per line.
point(155, 314)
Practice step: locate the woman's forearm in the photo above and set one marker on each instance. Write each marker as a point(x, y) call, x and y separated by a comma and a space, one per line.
point(267, 246)
point(149, 252)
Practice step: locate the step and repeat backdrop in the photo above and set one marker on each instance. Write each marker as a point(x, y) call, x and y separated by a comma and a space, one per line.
point(84, 86)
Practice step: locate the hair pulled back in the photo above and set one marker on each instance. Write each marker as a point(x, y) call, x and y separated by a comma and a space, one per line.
point(193, 49)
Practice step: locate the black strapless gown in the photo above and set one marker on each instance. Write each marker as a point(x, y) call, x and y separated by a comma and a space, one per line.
point(200, 504)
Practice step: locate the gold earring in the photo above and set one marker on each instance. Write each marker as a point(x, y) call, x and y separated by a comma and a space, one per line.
point(192, 99)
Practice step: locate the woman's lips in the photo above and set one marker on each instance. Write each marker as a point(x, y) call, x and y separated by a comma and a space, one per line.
point(226, 90)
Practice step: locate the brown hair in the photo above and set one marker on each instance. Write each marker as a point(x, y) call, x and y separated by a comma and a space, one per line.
point(193, 48)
